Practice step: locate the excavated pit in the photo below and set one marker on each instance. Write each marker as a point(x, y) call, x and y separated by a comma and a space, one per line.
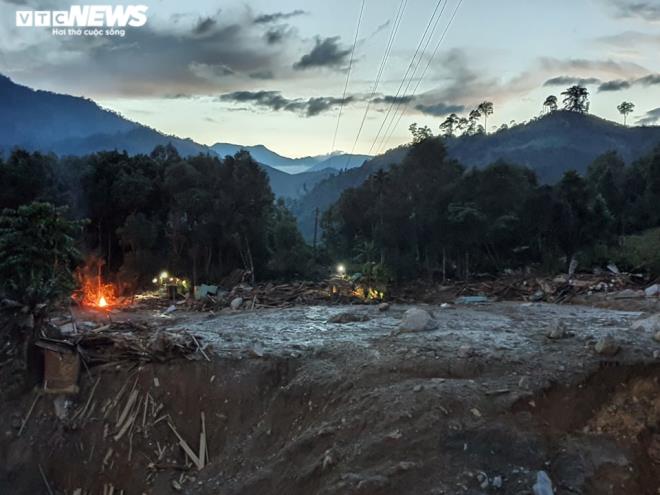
point(295, 405)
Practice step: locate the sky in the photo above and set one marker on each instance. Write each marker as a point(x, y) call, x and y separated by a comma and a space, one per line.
point(279, 73)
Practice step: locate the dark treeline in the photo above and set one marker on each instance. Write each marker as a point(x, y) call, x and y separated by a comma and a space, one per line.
point(430, 216)
point(199, 217)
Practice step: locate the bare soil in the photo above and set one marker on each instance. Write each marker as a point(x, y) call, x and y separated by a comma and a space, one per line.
point(294, 404)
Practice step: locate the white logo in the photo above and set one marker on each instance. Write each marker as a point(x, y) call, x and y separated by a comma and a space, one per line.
point(96, 16)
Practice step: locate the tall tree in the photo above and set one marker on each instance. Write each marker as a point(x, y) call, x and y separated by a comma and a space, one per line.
point(625, 108)
point(550, 103)
point(449, 126)
point(486, 109)
point(576, 99)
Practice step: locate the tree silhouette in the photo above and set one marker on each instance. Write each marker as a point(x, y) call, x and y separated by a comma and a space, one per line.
point(486, 109)
point(550, 103)
point(450, 124)
point(625, 108)
point(577, 99)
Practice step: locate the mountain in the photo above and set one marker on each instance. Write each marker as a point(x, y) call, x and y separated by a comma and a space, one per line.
point(68, 125)
point(549, 145)
point(262, 154)
point(340, 161)
point(45, 121)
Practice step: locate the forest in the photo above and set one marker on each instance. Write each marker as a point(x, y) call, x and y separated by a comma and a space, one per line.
point(199, 217)
point(429, 216)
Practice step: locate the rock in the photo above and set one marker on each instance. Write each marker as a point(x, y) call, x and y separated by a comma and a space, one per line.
point(607, 346)
point(203, 291)
point(650, 324)
point(472, 300)
point(236, 303)
point(537, 296)
point(383, 306)
point(416, 320)
point(417, 388)
point(496, 482)
point(614, 269)
point(169, 310)
point(656, 337)
point(652, 291)
point(558, 331)
point(543, 485)
point(347, 317)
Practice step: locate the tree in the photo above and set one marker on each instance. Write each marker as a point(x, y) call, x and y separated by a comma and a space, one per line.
point(625, 108)
point(420, 134)
point(450, 124)
point(576, 99)
point(37, 254)
point(550, 103)
point(486, 109)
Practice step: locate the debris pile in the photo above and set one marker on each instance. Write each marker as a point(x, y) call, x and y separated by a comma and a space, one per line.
point(557, 290)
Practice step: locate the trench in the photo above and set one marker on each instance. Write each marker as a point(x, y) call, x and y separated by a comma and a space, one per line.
point(614, 411)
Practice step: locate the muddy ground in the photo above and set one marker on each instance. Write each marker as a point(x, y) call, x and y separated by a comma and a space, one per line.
point(296, 405)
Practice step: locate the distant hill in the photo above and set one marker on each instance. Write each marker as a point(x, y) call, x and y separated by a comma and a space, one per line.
point(68, 125)
point(340, 161)
point(317, 163)
point(549, 145)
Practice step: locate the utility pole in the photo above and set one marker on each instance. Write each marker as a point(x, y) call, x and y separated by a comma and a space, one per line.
point(316, 227)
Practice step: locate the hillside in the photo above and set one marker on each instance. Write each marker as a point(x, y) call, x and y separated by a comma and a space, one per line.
point(68, 125)
point(262, 154)
point(549, 145)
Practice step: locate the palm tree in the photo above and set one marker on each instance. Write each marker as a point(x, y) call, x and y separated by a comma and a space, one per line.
point(550, 103)
point(625, 108)
point(577, 99)
point(486, 109)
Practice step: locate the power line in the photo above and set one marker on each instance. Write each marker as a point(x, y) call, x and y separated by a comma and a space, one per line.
point(348, 75)
point(388, 49)
point(405, 98)
point(419, 45)
point(437, 46)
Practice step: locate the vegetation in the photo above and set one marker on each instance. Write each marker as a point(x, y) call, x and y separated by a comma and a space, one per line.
point(576, 99)
point(625, 108)
point(37, 254)
point(429, 216)
point(199, 217)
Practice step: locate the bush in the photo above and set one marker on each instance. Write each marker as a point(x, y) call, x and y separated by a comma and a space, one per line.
point(37, 254)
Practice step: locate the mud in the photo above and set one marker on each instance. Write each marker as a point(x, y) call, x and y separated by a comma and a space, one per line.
point(297, 405)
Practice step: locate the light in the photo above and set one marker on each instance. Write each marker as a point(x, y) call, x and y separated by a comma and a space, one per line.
point(163, 275)
point(102, 302)
point(154, 281)
point(341, 269)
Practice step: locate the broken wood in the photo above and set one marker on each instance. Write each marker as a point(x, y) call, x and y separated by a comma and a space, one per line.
point(29, 413)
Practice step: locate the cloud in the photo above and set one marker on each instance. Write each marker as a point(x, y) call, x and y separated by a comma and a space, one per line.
point(390, 99)
point(277, 16)
point(440, 109)
point(646, 10)
point(273, 100)
point(204, 26)
point(620, 84)
point(651, 117)
point(202, 55)
point(616, 85)
point(569, 80)
point(262, 75)
point(277, 34)
point(326, 53)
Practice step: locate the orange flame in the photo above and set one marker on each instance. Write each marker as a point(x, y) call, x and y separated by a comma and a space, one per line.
point(93, 292)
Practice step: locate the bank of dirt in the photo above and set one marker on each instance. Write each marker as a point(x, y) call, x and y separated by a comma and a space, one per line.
point(293, 404)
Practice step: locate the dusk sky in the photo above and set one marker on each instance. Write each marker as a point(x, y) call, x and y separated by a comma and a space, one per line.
point(273, 73)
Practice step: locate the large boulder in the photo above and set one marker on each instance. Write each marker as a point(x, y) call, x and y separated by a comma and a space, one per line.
point(417, 320)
